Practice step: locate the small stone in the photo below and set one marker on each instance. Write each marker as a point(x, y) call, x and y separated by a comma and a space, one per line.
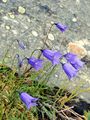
point(61, 6)
point(52, 22)
point(50, 36)
point(21, 10)
point(7, 27)
point(4, 1)
point(34, 33)
point(79, 50)
point(56, 75)
point(74, 20)
point(11, 15)
point(81, 96)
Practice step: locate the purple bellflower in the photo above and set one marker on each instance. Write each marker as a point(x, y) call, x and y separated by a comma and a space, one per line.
point(74, 60)
point(21, 44)
point(61, 27)
point(28, 100)
point(53, 56)
point(37, 64)
point(20, 61)
point(69, 70)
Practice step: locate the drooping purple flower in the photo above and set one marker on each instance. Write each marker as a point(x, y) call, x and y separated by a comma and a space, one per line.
point(53, 56)
point(69, 70)
point(28, 100)
point(37, 64)
point(61, 27)
point(21, 44)
point(20, 61)
point(74, 60)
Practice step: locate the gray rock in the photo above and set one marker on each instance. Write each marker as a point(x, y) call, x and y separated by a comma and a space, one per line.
point(36, 18)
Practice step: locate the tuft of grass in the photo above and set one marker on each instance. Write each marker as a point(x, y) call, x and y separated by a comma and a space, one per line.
point(52, 100)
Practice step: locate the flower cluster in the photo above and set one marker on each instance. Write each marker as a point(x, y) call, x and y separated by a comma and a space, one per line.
point(70, 67)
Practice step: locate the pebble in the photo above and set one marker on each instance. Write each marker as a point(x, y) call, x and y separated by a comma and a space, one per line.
point(77, 49)
point(52, 22)
point(4, 1)
point(34, 33)
point(7, 27)
point(61, 6)
point(56, 75)
point(74, 20)
point(11, 15)
point(21, 10)
point(50, 36)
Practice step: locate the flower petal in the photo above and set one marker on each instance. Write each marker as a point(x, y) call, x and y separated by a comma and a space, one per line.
point(53, 56)
point(61, 27)
point(69, 70)
point(74, 60)
point(37, 64)
point(28, 100)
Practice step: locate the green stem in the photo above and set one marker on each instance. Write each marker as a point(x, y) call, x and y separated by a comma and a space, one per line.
point(35, 51)
point(46, 38)
point(43, 81)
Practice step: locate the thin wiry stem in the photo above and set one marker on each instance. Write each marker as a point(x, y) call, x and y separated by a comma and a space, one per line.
point(45, 40)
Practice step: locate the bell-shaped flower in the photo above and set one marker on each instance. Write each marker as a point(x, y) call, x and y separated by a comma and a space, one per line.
point(69, 70)
point(61, 27)
point(28, 100)
point(53, 56)
point(37, 64)
point(74, 60)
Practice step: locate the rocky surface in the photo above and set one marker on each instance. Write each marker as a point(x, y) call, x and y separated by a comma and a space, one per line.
point(30, 20)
